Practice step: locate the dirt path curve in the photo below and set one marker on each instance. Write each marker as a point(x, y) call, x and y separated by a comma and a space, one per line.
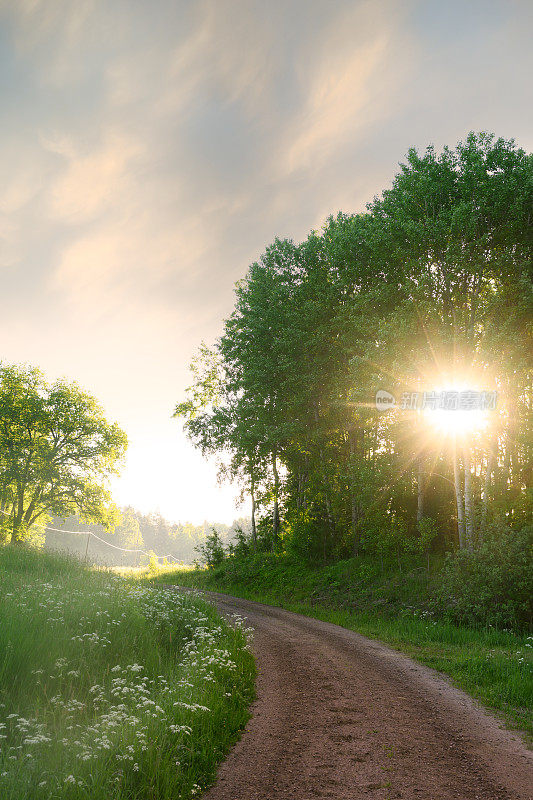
point(341, 716)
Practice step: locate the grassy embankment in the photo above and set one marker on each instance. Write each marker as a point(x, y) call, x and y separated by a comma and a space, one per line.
point(109, 688)
point(494, 666)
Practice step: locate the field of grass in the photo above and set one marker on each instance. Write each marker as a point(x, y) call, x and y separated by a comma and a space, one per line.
point(110, 688)
point(494, 666)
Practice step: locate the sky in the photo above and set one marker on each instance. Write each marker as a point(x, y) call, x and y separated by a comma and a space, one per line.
point(151, 150)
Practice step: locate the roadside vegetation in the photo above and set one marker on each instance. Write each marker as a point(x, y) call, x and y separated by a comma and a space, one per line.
point(110, 688)
point(403, 609)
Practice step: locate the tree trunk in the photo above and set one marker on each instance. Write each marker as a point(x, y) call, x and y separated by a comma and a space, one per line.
point(16, 537)
point(329, 512)
point(325, 484)
point(305, 478)
point(302, 480)
point(459, 499)
point(469, 500)
point(421, 480)
point(356, 533)
point(487, 483)
point(254, 529)
point(275, 512)
point(505, 474)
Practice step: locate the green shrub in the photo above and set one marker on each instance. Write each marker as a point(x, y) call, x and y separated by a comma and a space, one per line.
point(211, 551)
point(491, 585)
point(242, 545)
point(307, 537)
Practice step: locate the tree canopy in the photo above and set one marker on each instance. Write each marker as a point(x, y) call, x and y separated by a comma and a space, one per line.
point(431, 286)
point(57, 453)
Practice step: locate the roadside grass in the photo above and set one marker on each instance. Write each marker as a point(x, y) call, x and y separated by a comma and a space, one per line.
point(112, 688)
point(494, 666)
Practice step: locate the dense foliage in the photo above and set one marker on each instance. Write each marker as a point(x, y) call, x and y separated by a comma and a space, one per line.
point(430, 287)
point(491, 585)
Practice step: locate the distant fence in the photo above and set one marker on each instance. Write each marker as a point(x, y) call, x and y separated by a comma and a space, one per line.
point(99, 538)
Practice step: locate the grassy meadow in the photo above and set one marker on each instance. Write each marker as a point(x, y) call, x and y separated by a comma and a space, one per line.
point(110, 688)
point(493, 665)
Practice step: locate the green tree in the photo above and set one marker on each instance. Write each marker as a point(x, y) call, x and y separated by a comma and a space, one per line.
point(433, 282)
point(461, 223)
point(58, 452)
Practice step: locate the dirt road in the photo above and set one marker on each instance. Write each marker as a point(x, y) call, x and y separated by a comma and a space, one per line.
point(340, 716)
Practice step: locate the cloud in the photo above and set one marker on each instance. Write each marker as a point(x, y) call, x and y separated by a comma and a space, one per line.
point(349, 84)
point(183, 159)
point(93, 183)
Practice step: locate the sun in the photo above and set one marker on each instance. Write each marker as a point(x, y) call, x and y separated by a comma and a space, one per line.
point(454, 411)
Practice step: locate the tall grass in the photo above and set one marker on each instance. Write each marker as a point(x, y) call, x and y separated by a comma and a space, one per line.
point(109, 688)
